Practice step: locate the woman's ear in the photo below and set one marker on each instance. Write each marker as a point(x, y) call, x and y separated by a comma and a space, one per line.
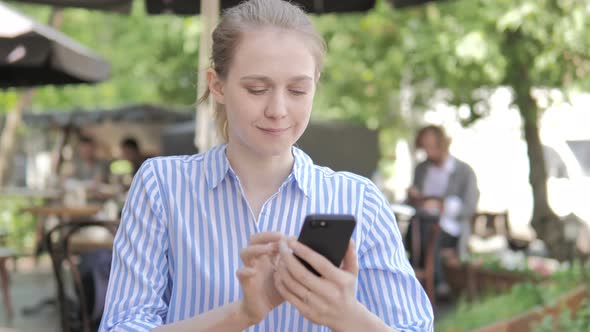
point(215, 85)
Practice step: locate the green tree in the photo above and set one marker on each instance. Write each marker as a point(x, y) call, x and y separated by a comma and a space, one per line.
point(522, 44)
point(144, 52)
point(462, 46)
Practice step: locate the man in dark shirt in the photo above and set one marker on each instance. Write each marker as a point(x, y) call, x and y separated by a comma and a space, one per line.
point(132, 153)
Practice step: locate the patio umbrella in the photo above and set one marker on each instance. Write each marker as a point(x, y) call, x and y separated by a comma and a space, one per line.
point(120, 6)
point(33, 54)
point(205, 133)
point(192, 7)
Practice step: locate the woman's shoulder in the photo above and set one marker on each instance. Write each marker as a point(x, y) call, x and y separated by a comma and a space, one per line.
point(325, 173)
point(176, 158)
point(159, 163)
point(328, 174)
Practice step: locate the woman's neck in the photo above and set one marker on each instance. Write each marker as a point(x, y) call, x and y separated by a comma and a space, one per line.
point(261, 174)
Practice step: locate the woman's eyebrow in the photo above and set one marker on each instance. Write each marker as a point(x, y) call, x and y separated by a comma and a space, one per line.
point(267, 79)
point(255, 78)
point(301, 78)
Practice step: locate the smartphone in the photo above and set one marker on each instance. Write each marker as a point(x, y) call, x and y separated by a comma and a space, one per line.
point(327, 234)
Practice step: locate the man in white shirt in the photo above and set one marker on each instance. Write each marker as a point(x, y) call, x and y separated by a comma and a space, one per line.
point(445, 187)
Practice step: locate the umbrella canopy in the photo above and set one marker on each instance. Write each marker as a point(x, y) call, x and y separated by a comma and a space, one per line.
point(121, 6)
point(33, 54)
point(192, 7)
point(140, 114)
point(410, 3)
point(108, 126)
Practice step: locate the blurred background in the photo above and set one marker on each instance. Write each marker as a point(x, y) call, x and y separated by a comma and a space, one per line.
point(104, 84)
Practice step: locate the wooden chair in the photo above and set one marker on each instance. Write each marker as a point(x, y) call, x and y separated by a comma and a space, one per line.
point(486, 224)
point(425, 273)
point(63, 247)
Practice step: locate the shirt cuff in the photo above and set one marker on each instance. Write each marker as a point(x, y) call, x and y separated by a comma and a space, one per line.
point(452, 207)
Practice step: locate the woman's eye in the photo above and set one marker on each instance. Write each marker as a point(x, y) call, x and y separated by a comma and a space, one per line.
point(298, 92)
point(257, 92)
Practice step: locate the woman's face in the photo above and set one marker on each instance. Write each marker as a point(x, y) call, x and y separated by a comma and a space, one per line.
point(268, 93)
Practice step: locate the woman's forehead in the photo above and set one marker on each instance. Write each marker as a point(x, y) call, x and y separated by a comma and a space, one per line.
point(273, 52)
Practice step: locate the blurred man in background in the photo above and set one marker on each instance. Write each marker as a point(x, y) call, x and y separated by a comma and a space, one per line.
point(445, 189)
point(131, 152)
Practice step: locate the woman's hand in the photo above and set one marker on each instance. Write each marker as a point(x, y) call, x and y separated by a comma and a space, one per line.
point(256, 277)
point(328, 300)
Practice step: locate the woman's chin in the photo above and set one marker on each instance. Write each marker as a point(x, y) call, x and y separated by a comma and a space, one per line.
point(264, 148)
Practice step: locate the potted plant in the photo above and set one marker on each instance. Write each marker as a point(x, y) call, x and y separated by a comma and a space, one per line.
point(520, 308)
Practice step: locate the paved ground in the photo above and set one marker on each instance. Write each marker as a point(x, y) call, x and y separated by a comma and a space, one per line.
point(30, 285)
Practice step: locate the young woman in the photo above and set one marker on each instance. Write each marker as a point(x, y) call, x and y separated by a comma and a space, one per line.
point(205, 242)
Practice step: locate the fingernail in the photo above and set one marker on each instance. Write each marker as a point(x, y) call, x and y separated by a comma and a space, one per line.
point(283, 247)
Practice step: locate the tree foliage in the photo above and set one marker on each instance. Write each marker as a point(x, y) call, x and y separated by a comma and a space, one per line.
point(153, 59)
point(458, 45)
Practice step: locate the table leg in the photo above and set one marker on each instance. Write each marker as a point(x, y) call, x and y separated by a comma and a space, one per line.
point(5, 284)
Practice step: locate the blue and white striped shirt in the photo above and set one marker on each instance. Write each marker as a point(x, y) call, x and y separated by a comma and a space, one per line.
point(186, 219)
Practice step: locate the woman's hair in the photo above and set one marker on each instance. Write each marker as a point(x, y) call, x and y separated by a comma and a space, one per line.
point(441, 137)
point(253, 15)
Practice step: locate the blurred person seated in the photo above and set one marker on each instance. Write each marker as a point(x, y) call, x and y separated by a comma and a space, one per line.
point(88, 176)
point(131, 152)
point(125, 168)
point(444, 190)
point(84, 181)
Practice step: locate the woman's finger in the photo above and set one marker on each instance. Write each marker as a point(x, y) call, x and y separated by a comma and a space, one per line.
point(321, 264)
point(350, 263)
point(245, 273)
point(292, 285)
point(288, 295)
point(300, 273)
point(265, 237)
point(254, 251)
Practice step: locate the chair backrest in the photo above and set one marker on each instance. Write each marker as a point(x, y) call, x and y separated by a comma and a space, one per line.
point(425, 272)
point(58, 246)
point(429, 254)
point(486, 224)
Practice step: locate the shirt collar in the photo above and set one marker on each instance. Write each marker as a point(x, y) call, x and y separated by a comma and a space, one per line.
point(217, 168)
point(448, 166)
point(302, 170)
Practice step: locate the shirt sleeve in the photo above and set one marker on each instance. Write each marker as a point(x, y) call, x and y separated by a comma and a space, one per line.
point(138, 279)
point(387, 284)
point(448, 220)
point(469, 194)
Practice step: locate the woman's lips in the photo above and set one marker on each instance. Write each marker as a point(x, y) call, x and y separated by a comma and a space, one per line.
point(273, 131)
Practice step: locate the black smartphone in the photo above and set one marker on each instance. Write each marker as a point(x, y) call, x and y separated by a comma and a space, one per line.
point(327, 234)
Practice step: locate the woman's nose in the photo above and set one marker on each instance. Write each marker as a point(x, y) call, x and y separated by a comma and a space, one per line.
point(277, 106)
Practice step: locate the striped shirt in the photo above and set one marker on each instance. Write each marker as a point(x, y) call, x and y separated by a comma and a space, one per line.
point(186, 219)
